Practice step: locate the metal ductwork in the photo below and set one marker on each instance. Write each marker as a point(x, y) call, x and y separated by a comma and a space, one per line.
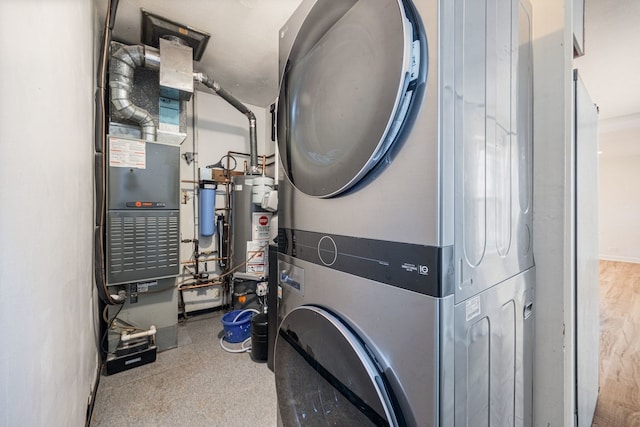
point(253, 141)
point(124, 60)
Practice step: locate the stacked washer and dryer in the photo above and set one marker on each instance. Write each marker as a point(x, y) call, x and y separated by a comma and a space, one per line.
point(405, 249)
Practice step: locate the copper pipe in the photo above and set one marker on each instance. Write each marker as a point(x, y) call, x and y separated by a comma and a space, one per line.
point(191, 181)
point(228, 224)
point(192, 262)
point(238, 153)
point(204, 285)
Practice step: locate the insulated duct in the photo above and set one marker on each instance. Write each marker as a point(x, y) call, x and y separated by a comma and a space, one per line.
point(124, 60)
point(253, 141)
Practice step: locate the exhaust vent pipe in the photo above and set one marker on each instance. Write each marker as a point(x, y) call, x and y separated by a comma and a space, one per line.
point(253, 141)
point(124, 60)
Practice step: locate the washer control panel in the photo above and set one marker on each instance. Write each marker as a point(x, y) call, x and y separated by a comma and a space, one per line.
point(292, 276)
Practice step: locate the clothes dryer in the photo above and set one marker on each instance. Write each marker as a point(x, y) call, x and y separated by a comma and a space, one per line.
point(405, 254)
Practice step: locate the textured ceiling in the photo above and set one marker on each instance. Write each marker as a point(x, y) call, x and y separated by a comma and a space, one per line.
point(242, 53)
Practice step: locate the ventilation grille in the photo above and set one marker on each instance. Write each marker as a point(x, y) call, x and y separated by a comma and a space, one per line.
point(142, 245)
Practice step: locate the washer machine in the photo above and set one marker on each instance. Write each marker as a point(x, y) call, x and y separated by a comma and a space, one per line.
point(405, 255)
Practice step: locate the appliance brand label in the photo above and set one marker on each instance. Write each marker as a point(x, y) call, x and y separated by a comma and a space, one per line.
point(409, 268)
point(473, 308)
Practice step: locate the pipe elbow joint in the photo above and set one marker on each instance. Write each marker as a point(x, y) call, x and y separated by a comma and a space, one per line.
point(199, 77)
point(207, 81)
point(124, 60)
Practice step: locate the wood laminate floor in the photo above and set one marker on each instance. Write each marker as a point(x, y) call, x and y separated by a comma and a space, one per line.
point(619, 398)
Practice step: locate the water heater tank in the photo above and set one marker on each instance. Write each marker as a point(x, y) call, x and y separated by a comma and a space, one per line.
point(250, 227)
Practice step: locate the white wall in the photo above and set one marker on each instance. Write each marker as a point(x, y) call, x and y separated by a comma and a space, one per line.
point(48, 356)
point(219, 128)
point(553, 222)
point(620, 192)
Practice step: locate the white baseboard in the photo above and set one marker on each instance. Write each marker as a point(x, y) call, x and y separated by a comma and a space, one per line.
point(620, 258)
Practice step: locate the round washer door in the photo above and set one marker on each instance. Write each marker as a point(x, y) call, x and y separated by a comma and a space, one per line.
point(346, 90)
point(325, 376)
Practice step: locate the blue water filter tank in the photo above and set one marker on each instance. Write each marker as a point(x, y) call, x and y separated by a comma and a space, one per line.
point(207, 211)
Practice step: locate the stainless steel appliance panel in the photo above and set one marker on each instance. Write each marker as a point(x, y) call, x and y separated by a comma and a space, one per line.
point(404, 330)
point(325, 374)
point(459, 181)
point(493, 144)
point(492, 333)
point(414, 171)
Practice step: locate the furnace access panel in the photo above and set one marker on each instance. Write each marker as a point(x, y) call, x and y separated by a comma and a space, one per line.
point(143, 190)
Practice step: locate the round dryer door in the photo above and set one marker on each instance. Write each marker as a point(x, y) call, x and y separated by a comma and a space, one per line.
point(347, 89)
point(325, 376)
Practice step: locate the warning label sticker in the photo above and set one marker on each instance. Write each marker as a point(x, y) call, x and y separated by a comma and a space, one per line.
point(144, 286)
point(257, 256)
point(261, 225)
point(127, 153)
